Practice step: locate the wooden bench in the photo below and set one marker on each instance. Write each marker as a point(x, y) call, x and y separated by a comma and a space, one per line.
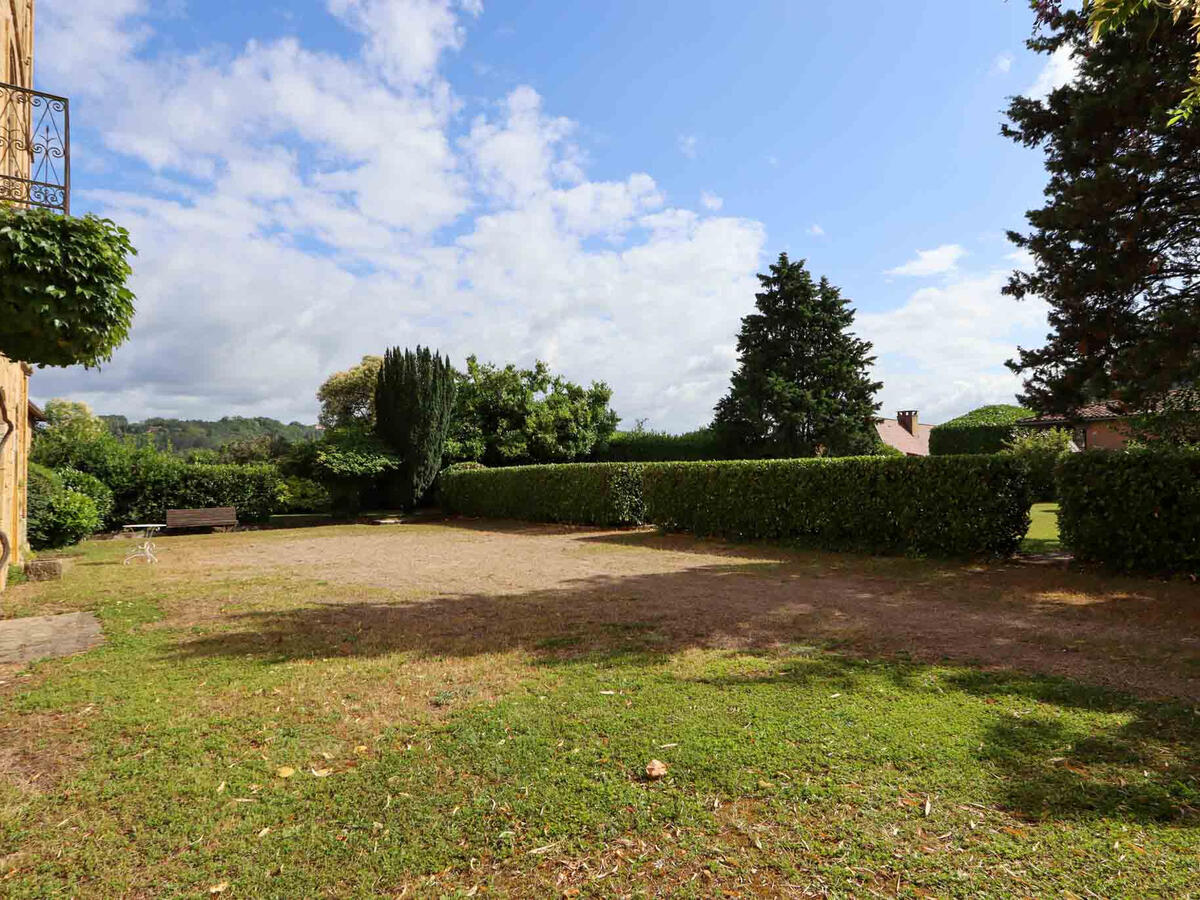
point(215, 517)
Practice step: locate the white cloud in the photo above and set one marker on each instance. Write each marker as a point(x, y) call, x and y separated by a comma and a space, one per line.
point(1002, 64)
point(816, 230)
point(291, 211)
point(937, 261)
point(711, 201)
point(405, 38)
point(688, 145)
point(1059, 70)
point(943, 351)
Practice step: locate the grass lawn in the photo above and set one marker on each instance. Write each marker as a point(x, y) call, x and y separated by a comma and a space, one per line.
point(274, 717)
point(1042, 536)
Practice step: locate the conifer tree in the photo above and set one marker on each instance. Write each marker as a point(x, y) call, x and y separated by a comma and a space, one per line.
point(1116, 246)
point(802, 386)
point(414, 403)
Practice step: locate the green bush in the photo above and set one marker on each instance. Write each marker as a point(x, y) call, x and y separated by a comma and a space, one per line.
point(942, 507)
point(1040, 451)
point(984, 430)
point(146, 482)
point(1134, 510)
point(90, 485)
point(57, 516)
point(640, 445)
point(577, 493)
point(303, 495)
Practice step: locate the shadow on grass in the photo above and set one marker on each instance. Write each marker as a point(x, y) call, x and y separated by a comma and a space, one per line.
point(1050, 767)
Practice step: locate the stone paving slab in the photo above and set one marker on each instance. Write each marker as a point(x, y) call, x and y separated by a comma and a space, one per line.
point(40, 637)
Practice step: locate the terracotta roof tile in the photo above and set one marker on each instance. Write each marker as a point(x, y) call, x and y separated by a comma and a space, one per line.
point(896, 435)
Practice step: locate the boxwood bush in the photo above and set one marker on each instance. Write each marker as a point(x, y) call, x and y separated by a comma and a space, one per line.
point(576, 493)
point(956, 506)
point(1132, 510)
point(981, 431)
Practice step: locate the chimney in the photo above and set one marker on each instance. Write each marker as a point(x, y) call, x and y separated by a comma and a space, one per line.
point(908, 420)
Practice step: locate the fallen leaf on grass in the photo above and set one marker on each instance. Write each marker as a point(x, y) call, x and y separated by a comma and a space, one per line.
point(656, 768)
point(608, 693)
point(219, 888)
point(265, 831)
point(321, 773)
point(928, 807)
point(285, 771)
point(221, 788)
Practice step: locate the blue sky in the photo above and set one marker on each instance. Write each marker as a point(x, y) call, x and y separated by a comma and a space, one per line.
point(593, 184)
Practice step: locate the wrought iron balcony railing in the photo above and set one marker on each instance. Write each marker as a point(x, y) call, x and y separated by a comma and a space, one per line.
point(35, 148)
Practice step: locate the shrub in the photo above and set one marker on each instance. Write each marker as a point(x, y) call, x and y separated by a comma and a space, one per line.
point(57, 516)
point(162, 483)
point(984, 430)
point(640, 445)
point(1135, 510)
point(948, 507)
point(577, 493)
point(303, 495)
point(1039, 451)
point(91, 486)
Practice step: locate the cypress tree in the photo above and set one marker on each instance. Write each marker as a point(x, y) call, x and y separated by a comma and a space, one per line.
point(802, 385)
point(414, 403)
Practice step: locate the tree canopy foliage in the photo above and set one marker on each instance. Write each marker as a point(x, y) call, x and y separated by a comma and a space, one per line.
point(1119, 15)
point(801, 387)
point(1116, 247)
point(231, 438)
point(63, 293)
point(509, 415)
point(348, 398)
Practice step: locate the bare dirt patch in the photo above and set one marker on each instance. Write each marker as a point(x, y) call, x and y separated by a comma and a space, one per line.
point(462, 589)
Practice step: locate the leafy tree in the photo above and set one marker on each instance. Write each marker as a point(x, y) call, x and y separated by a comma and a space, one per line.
point(1118, 15)
point(347, 462)
point(802, 386)
point(505, 416)
point(73, 419)
point(348, 398)
point(414, 403)
point(63, 298)
point(1116, 248)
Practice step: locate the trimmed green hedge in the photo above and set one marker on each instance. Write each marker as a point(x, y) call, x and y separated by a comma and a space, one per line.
point(158, 485)
point(658, 446)
point(576, 493)
point(959, 506)
point(981, 431)
point(949, 507)
point(1134, 510)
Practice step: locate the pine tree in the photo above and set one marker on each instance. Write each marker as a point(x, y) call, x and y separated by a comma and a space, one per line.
point(414, 403)
point(1116, 247)
point(802, 386)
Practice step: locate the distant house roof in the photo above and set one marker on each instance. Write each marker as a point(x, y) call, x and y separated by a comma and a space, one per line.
point(1093, 412)
point(892, 433)
point(35, 412)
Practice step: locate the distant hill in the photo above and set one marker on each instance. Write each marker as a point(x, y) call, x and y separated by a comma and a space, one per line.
point(183, 435)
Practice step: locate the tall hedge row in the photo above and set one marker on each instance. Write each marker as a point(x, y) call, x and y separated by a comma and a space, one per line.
point(951, 507)
point(981, 431)
point(1136, 510)
point(253, 489)
point(958, 506)
point(575, 493)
